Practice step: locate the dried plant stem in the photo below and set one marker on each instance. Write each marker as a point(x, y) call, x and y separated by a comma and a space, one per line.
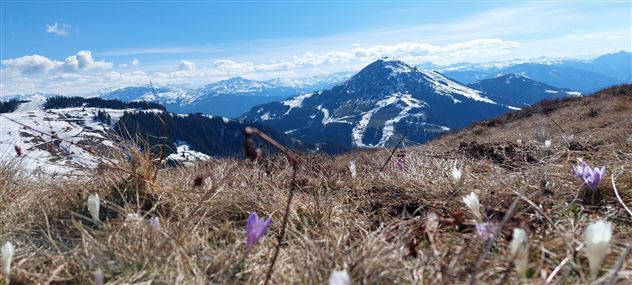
point(294, 160)
point(617, 268)
point(393, 152)
point(283, 227)
point(619, 197)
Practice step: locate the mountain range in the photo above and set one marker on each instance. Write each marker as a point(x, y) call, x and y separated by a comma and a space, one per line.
point(378, 105)
point(518, 90)
point(234, 96)
point(228, 98)
point(586, 76)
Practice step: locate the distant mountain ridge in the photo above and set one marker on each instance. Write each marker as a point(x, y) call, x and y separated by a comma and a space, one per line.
point(585, 76)
point(518, 90)
point(230, 98)
point(378, 105)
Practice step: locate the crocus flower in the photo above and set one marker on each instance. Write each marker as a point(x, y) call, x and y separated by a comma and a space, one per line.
point(485, 230)
point(471, 201)
point(93, 206)
point(98, 277)
point(547, 143)
point(339, 278)
point(432, 224)
point(8, 249)
point(154, 222)
point(519, 248)
point(255, 229)
point(592, 177)
point(597, 237)
point(580, 170)
point(456, 172)
point(352, 168)
point(132, 218)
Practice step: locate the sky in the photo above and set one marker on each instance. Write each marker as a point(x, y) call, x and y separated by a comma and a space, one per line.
point(78, 47)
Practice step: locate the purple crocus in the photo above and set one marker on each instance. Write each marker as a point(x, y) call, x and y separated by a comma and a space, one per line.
point(399, 163)
point(485, 230)
point(592, 177)
point(580, 170)
point(255, 228)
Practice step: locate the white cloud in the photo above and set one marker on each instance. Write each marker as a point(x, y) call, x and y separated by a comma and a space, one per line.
point(36, 65)
point(135, 62)
point(57, 29)
point(30, 64)
point(410, 52)
point(186, 66)
point(83, 61)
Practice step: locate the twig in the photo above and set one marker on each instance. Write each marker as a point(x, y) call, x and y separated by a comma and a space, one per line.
point(393, 152)
point(563, 131)
point(619, 197)
point(536, 208)
point(294, 160)
point(491, 242)
point(559, 266)
point(619, 265)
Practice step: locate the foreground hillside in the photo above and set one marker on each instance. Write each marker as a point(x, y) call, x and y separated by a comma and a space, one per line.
point(404, 225)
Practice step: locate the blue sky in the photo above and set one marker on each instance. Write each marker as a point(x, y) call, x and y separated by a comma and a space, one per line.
point(77, 47)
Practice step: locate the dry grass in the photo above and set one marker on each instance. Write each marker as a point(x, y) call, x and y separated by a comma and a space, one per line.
point(371, 225)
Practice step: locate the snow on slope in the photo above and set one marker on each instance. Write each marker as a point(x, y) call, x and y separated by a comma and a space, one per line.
point(186, 155)
point(388, 129)
point(445, 86)
point(55, 141)
point(295, 102)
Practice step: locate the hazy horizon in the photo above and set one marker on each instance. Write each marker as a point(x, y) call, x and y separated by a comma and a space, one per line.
point(77, 48)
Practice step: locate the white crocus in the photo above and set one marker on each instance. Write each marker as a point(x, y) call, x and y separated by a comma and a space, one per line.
point(133, 217)
point(339, 278)
point(432, 224)
point(154, 222)
point(93, 206)
point(597, 237)
point(456, 172)
point(519, 248)
point(471, 201)
point(352, 168)
point(98, 277)
point(8, 249)
point(547, 143)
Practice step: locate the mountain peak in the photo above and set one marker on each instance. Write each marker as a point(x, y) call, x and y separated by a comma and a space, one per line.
point(395, 66)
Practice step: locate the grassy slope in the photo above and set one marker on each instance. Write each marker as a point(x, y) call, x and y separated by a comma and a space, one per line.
point(371, 225)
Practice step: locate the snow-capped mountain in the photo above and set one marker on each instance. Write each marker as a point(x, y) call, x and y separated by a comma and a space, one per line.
point(377, 106)
point(582, 75)
point(518, 90)
point(229, 98)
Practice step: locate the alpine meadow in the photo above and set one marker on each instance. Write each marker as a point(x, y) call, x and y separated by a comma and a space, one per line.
point(316, 142)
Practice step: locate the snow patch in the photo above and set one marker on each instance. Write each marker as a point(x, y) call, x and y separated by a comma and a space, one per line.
point(447, 87)
point(295, 102)
point(327, 120)
point(388, 129)
point(185, 154)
